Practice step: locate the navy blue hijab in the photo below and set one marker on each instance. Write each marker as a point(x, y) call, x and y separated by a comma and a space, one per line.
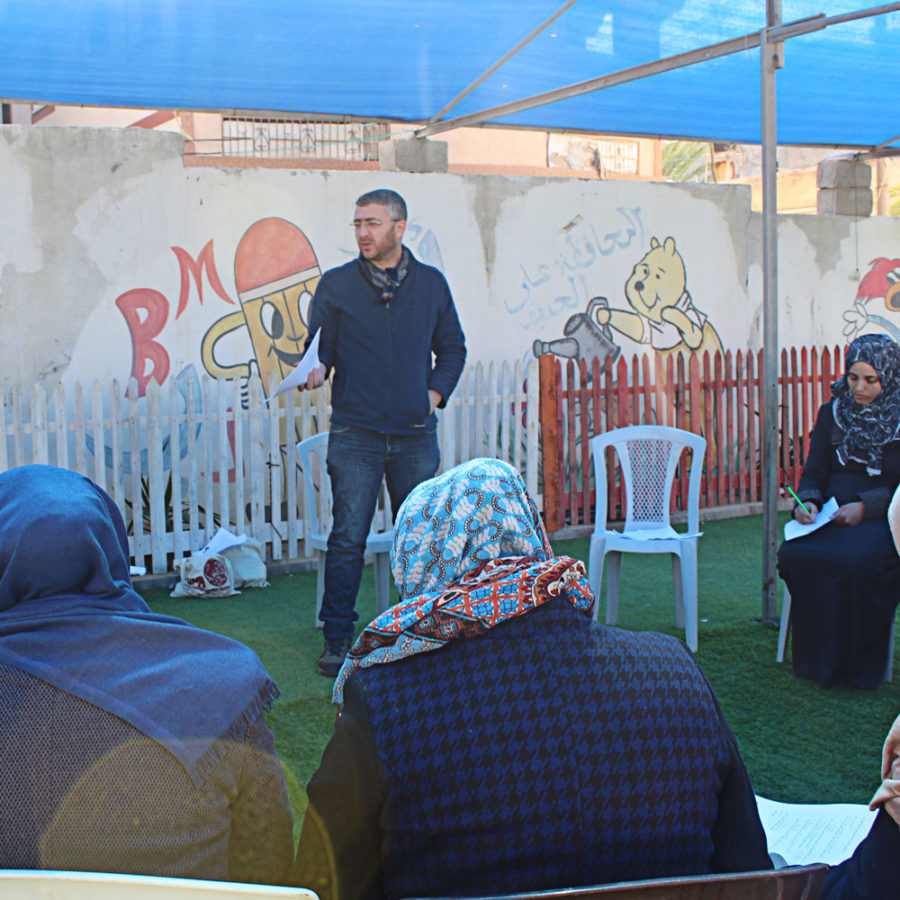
point(69, 616)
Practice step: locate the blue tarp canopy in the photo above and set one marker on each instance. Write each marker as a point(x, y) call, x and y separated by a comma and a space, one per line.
point(405, 61)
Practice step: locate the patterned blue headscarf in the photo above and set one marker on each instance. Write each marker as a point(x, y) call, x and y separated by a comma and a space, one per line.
point(69, 616)
point(868, 427)
point(470, 551)
point(477, 511)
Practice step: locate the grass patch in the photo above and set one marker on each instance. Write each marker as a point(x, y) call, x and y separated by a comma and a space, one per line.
point(801, 744)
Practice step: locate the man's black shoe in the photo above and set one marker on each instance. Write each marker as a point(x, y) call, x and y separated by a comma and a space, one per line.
point(332, 657)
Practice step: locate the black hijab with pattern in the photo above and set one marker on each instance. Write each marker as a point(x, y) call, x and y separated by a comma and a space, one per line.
point(868, 427)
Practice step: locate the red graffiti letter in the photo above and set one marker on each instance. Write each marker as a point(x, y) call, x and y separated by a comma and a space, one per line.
point(195, 267)
point(144, 349)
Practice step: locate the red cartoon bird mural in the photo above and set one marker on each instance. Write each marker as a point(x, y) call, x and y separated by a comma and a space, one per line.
point(882, 280)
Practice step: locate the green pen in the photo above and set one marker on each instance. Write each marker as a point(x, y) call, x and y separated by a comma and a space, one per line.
point(802, 504)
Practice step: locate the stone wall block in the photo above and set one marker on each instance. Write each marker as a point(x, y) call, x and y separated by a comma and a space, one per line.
point(413, 155)
point(844, 201)
point(843, 172)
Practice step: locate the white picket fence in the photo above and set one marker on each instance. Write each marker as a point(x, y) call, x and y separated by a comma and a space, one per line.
point(185, 459)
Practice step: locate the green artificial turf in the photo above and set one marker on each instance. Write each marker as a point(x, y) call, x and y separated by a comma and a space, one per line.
point(801, 744)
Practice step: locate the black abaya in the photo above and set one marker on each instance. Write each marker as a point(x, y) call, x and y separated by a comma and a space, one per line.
point(844, 581)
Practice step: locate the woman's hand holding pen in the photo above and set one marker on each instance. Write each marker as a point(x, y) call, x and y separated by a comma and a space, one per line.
point(808, 515)
point(849, 514)
point(804, 512)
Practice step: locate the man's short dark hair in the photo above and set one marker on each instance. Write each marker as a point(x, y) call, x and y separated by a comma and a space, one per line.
point(391, 199)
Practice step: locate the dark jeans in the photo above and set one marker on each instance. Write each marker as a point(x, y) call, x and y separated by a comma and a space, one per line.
point(358, 459)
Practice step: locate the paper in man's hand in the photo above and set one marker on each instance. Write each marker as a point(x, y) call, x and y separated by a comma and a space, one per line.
point(307, 363)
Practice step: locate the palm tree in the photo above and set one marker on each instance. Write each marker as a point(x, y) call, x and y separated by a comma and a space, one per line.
point(686, 161)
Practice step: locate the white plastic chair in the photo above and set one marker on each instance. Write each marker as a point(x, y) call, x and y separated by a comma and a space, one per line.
point(38, 884)
point(317, 521)
point(784, 629)
point(648, 456)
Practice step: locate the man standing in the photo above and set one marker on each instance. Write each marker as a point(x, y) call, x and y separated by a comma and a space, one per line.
point(390, 332)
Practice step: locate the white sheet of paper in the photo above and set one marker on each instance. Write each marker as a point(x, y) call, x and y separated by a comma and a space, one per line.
point(222, 540)
point(794, 529)
point(806, 833)
point(307, 363)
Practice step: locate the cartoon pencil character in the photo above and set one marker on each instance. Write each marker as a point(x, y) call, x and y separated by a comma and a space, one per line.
point(276, 273)
point(664, 315)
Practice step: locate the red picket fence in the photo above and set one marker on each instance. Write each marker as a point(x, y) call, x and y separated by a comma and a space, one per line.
point(718, 396)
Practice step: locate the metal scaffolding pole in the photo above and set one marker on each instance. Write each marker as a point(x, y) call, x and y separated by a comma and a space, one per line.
point(770, 61)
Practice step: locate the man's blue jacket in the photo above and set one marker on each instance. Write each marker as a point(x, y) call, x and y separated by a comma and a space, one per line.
point(387, 355)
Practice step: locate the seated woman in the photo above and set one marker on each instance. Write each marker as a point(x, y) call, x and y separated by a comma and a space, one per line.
point(493, 739)
point(132, 742)
point(844, 578)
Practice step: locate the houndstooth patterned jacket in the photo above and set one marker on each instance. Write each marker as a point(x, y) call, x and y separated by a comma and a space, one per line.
point(548, 752)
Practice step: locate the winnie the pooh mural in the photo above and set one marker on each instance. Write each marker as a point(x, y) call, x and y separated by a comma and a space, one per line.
point(662, 313)
point(662, 317)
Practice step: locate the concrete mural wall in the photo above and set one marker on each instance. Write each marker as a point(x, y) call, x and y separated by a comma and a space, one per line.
point(116, 260)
